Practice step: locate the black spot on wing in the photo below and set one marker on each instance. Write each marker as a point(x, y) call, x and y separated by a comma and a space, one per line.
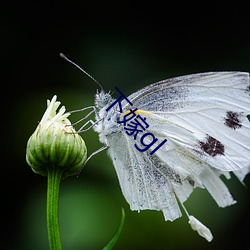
point(248, 117)
point(212, 146)
point(248, 89)
point(233, 119)
point(190, 181)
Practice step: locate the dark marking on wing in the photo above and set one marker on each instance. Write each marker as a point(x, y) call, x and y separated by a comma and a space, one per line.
point(212, 146)
point(248, 89)
point(191, 181)
point(232, 119)
point(162, 172)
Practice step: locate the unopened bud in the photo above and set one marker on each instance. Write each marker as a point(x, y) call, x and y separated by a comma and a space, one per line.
point(55, 143)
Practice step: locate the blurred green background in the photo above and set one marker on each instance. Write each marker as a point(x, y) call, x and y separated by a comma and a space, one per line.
point(125, 45)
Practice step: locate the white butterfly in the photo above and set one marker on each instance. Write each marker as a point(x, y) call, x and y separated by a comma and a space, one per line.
point(203, 120)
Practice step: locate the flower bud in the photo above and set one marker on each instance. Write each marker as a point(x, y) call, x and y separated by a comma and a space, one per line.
point(55, 144)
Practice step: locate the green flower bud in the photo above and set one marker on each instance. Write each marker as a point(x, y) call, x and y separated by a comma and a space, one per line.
point(55, 144)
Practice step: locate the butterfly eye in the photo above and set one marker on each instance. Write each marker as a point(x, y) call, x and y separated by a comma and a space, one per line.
point(106, 99)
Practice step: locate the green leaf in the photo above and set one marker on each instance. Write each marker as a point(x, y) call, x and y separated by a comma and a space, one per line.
point(117, 234)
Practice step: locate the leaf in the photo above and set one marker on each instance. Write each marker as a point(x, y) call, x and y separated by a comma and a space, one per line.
point(117, 234)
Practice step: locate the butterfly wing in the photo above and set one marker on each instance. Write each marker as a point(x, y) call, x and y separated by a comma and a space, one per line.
point(213, 107)
point(179, 155)
point(142, 185)
point(203, 118)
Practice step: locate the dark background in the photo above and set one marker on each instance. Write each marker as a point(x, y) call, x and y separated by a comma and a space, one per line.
point(126, 44)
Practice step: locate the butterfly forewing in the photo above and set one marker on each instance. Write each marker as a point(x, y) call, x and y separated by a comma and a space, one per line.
point(211, 108)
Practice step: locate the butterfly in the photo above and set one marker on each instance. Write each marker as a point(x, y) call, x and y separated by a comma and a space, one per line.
point(204, 119)
point(202, 127)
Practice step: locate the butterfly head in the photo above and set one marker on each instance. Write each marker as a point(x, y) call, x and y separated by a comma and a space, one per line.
point(102, 99)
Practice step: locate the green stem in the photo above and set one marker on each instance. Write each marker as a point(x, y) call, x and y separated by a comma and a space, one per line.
point(54, 177)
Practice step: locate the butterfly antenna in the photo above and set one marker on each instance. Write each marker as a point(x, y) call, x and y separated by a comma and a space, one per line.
point(90, 76)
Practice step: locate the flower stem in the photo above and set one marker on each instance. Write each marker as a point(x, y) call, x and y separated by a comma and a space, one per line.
point(54, 177)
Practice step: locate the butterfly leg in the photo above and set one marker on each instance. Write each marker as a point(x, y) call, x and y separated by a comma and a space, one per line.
point(95, 152)
point(80, 130)
point(92, 154)
point(86, 116)
point(80, 110)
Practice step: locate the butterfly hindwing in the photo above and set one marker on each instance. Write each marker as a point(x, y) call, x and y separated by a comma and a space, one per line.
point(142, 183)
